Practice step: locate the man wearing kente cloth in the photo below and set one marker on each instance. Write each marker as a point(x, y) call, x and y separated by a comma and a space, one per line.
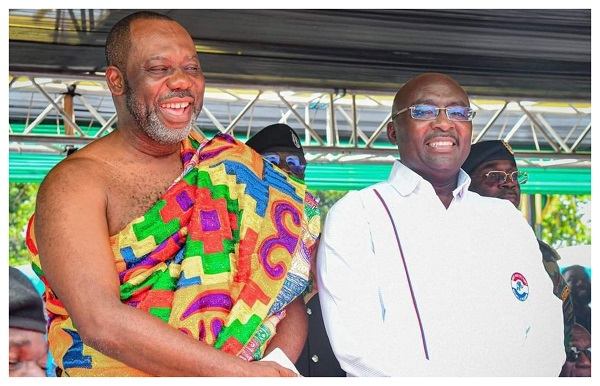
point(162, 253)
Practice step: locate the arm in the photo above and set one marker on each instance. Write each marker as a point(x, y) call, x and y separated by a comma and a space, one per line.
point(291, 331)
point(72, 234)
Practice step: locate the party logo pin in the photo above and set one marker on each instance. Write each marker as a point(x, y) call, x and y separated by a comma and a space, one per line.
point(519, 286)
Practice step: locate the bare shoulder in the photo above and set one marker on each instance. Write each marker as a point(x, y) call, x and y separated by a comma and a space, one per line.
point(108, 179)
point(71, 196)
point(78, 174)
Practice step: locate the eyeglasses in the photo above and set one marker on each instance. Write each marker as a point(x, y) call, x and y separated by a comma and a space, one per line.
point(501, 177)
point(294, 162)
point(574, 353)
point(429, 113)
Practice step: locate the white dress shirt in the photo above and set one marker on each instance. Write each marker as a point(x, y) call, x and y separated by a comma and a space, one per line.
point(462, 317)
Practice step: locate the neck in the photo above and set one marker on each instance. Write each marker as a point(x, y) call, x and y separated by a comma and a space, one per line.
point(445, 198)
point(444, 181)
point(444, 190)
point(140, 144)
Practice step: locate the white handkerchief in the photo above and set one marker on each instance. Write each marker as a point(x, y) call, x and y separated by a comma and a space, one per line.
point(279, 356)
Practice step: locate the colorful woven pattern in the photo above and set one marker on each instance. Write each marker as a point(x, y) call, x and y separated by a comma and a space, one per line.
point(218, 257)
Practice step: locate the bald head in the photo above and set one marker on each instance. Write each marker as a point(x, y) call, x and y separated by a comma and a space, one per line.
point(421, 83)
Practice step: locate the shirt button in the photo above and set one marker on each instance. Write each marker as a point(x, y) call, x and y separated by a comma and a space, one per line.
point(308, 311)
point(315, 358)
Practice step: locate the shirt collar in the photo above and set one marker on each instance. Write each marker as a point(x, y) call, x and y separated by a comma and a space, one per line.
point(406, 181)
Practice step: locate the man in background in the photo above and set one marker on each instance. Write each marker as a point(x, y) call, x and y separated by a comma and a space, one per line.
point(494, 173)
point(580, 284)
point(27, 347)
point(579, 355)
point(280, 145)
point(39, 286)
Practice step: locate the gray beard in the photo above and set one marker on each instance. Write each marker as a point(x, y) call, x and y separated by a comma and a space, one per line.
point(147, 120)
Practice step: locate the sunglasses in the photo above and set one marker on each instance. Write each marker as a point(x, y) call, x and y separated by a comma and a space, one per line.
point(574, 353)
point(296, 165)
point(429, 113)
point(501, 177)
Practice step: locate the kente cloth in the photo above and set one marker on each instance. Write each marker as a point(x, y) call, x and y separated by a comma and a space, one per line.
point(218, 257)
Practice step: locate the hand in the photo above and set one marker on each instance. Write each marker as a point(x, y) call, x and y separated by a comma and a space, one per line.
point(271, 369)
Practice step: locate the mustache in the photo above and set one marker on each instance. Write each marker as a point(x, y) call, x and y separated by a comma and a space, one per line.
point(433, 135)
point(178, 94)
point(508, 193)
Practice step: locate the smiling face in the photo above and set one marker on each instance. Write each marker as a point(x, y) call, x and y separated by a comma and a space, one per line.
point(489, 187)
point(437, 148)
point(164, 84)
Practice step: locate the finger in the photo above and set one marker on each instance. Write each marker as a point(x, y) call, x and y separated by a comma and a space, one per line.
point(287, 373)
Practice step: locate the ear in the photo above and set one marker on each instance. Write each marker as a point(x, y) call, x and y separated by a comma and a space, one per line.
point(391, 133)
point(115, 80)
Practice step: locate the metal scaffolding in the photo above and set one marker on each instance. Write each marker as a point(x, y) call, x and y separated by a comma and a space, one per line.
point(50, 114)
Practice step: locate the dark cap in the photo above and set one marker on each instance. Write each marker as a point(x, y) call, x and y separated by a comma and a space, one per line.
point(488, 151)
point(26, 309)
point(277, 137)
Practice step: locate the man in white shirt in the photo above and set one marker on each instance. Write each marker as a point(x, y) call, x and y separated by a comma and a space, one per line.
point(418, 276)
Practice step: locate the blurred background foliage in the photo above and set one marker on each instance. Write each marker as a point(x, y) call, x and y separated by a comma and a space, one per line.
point(21, 206)
point(566, 221)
